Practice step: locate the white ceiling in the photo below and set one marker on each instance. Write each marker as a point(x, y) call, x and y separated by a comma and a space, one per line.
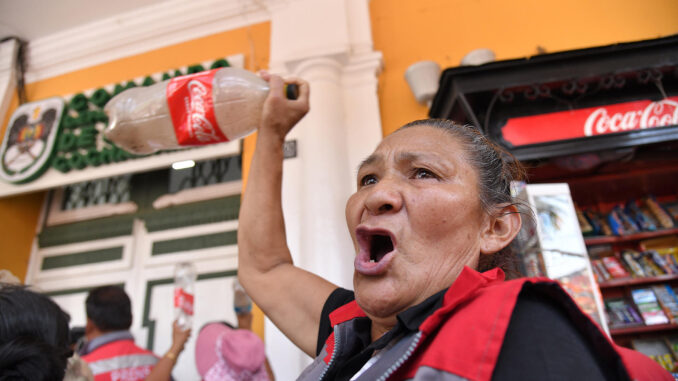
point(32, 19)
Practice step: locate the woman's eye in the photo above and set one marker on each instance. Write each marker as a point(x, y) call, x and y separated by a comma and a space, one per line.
point(368, 180)
point(421, 173)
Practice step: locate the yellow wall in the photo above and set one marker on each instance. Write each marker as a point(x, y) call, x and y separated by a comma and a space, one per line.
point(19, 215)
point(407, 31)
point(18, 220)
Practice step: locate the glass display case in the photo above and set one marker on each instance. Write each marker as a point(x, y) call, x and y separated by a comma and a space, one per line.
point(551, 244)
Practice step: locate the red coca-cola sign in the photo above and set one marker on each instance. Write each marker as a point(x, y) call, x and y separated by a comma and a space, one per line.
point(189, 99)
point(592, 121)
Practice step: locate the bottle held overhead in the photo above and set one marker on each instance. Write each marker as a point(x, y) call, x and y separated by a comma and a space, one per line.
point(184, 294)
point(203, 108)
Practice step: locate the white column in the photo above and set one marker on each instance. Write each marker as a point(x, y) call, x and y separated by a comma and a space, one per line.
point(329, 44)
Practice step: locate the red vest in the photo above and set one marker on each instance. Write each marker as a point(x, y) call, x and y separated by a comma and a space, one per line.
point(463, 338)
point(120, 360)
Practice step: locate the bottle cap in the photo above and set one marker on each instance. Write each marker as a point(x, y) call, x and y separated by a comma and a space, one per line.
point(292, 91)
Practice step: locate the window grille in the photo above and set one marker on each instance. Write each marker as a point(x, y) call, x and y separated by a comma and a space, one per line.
point(206, 173)
point(113, 190)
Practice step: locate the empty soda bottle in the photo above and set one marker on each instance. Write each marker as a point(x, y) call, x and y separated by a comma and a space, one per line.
point(203, 108)
point(184, 294)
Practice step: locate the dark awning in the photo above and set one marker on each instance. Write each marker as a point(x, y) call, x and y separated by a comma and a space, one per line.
point(490, 95)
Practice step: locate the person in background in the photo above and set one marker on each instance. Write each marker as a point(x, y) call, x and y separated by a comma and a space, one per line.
point(110, 350)
point(430, 221)
point(33, 336)
point(226, 353)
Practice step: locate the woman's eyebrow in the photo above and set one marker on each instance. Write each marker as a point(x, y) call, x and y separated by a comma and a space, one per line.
point(428, 157)
point(369, 160)
point(415, 156)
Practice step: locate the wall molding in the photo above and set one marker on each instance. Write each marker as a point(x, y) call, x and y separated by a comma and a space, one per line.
point(8, 51)
point(139, 31)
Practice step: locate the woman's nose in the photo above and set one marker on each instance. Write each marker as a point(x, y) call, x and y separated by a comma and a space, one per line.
point(384, 197)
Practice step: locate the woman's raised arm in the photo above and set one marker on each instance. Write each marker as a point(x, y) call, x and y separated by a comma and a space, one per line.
point(291, 297)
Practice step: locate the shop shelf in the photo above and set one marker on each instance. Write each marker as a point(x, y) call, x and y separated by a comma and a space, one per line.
point(628, 238)
point(637, 281)
point(643, 329)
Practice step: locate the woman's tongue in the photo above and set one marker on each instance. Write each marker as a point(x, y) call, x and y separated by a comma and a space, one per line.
point(376, 252)
point(380, 245)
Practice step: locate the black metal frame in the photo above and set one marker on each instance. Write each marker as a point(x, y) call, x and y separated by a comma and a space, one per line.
point(487, 95)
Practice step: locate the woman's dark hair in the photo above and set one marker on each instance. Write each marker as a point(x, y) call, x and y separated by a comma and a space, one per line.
point(33, 336)
point(109, 308)
point(496, 168)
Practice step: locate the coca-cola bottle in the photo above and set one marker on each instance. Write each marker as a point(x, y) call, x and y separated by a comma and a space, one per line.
point(203, 108)
point(184, 294)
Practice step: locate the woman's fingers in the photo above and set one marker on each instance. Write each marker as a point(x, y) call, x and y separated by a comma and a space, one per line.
point(281, 114)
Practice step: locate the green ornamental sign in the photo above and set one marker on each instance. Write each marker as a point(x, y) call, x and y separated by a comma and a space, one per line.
point(29, 140)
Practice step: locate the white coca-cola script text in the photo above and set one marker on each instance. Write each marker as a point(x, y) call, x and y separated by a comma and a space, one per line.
point(656, 114)
point(198, 125)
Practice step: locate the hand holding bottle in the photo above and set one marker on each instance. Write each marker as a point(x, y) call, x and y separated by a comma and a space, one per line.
point(280, 114)
point(179, 338)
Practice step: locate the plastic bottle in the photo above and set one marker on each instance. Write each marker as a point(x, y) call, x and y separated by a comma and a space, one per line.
point(184, 294)
point(242, 303)
point(203, 108)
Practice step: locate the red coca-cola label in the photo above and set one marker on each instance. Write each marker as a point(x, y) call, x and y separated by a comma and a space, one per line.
point(591, 121)
point(189, 99)
point(183, 300)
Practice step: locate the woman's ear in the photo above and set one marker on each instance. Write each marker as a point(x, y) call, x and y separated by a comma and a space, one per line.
point(500, 229)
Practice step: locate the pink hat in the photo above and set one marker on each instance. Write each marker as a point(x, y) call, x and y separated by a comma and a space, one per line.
point(226, 354)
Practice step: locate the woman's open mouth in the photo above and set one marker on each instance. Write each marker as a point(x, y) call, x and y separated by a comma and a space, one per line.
point(376, 249)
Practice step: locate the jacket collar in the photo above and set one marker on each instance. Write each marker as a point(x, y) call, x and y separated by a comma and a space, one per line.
point(464, 288)
point(104, 339)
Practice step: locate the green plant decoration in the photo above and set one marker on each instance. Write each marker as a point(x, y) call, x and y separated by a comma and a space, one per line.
point(79, 102)
point(87, 138)
point(69, 122)
point(67, 141)
point(93, 158)
point(118, 89)
point(148, 81)
point(220, 63)
point(100, 97)
point(60, 163)
point(77, 160)
point(195, 69)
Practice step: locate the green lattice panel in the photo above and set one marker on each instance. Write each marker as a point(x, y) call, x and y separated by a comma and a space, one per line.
point(82, 258)
point(101, 228)
point(197, 213)
point(195, 243)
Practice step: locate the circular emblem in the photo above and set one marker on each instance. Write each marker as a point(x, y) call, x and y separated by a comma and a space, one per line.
point(29, 140)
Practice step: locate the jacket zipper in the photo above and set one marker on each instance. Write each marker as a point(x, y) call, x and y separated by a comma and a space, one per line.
point(403, 358)
point(334, 354)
